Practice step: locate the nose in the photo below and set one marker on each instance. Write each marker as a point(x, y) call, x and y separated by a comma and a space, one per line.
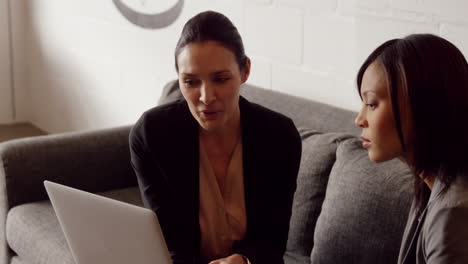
point(360, 121)
point(207, 94)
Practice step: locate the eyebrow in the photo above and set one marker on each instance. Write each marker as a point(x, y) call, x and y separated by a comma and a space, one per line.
point(188, 74)
point(368, 91)
point(220, 72)
point(214, 73)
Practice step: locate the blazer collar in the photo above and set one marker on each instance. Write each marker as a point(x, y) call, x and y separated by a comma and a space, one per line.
point(187, 132)
point(411, 238)
point(437, 189)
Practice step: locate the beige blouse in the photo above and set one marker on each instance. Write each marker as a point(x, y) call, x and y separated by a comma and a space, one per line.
point(222, 213)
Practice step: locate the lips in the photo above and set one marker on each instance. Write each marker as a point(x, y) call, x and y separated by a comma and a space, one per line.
point(210, 114)
point(366, 143)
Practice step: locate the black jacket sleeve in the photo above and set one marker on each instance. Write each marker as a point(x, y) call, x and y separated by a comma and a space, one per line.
point(270, 211)
point(159, 196)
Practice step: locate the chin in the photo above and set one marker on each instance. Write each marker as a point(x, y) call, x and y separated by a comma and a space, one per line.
point(209, 126)
point(378, 157)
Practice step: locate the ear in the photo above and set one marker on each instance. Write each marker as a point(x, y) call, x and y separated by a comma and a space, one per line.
point(246, 71)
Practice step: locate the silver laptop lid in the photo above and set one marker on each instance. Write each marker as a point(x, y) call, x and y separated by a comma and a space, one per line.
point(106, 231)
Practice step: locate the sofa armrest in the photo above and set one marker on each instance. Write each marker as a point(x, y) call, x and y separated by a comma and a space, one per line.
point(95, 161)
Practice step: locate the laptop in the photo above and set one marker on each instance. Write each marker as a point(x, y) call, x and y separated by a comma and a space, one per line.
point(106, 231)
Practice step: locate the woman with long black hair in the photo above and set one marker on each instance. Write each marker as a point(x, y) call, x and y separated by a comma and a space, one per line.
point(415, 107)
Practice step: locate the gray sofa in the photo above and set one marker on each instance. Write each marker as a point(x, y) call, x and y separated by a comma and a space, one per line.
point(346, 209)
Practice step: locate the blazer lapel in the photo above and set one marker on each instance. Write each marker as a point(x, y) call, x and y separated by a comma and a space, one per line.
point(181, 155)
point(248, 155)
point(185, 152)
point(411, 237)
point(188, 155)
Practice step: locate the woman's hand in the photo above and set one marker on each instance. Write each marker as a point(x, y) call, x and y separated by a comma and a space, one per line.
point(233, 259)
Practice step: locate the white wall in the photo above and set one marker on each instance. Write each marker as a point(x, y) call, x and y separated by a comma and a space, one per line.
point(6, 107)
point(81, 65)
point(20, 39)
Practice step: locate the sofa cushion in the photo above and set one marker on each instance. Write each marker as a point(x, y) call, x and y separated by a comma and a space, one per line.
point(17, 260)
point(365, 209)
point(318, 157)
point(34, 233)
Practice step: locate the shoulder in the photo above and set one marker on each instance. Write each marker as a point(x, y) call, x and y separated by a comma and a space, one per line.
point(445, 230)
point(456, 196)
point(446, 217)
point(265, 118)
point(269, 134)
point(450, 205)
point(163, 112)
point(169, 115)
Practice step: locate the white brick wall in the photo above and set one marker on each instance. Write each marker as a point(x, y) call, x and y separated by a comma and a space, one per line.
point(81, 65)
point(20, 40)
point(300, 82)
point(458, 35)
point(274, 32)
point(6, 107)
point(448, 10)
point(315, 7)
point(330, 44)
point(261, 72)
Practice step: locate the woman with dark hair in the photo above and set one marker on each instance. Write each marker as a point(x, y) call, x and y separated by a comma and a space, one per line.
point(415, 107)
point(219, 172)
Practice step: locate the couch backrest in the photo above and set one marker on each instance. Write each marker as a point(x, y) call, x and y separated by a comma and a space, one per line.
point(346, 209)
point(304, 112)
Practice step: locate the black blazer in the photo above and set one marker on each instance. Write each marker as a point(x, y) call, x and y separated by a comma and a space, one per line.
point(165, 156)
